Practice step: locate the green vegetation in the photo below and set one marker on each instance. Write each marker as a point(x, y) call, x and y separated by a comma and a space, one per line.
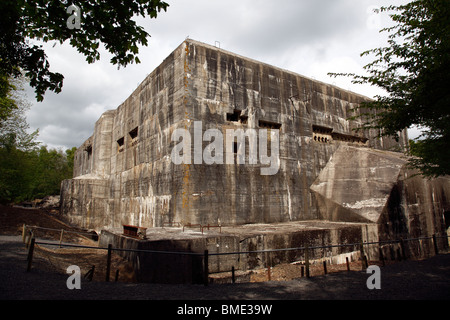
point(101, 21)
point(414, 71)
point(31, 174)
point(28, 170)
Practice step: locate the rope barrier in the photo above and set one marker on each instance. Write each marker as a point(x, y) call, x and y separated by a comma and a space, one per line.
point(237, 252)
point(31, 242)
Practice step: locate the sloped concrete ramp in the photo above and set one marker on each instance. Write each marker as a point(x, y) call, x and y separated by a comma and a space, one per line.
point(356, 183)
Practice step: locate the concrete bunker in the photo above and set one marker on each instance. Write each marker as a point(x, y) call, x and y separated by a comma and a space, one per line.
point(327, 173)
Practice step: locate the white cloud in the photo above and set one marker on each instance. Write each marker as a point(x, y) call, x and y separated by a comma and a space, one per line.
point(307, 37)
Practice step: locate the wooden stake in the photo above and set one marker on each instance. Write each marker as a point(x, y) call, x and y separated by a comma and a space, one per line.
point(233, 279)
point(117, 275)
point(205, 268)
point(108, 262)
point(436, 250)
point(307, 260)
point(30, 254)
point(61, 237)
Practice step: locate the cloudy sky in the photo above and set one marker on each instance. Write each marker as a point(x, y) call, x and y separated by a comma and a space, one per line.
point(308, 37)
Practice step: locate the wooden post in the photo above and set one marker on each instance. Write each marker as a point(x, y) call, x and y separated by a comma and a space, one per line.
point(382, 257)
point(307, 260)
point(324, 267)
point(108, 262)
point(205, 268)
point(302, 271)
point(403, 248)
point(268, 263)
point(117, 276)
point(24, 231)
point(366, 263)
point(61, 237)
point(348, 264)
point(436, 250)
point(233, 279)
point(30, 236)
point(363, 257)
point(90, 274)
point(30, 254)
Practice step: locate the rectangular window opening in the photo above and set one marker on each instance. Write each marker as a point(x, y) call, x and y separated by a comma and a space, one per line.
point(120, 144)
point(134, 136)
point(321, 129)
point(134, 133)
point(89, 151)
point(234, 117)
point(269, 125)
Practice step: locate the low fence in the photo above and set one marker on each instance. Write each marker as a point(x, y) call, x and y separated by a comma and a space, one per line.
point(61, 232)
point(402, 252)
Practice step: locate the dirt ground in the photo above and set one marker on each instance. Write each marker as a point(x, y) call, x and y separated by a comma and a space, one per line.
point(58, 259)
point(406, 280)
point(12, 220)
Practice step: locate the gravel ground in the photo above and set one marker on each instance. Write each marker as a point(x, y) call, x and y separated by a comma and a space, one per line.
point(408, 280)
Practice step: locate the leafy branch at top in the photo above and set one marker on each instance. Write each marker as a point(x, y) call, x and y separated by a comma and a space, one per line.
point(413, 70)
point(109, 22)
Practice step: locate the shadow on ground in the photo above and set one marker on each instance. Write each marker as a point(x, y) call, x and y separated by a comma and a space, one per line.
point(406, 280)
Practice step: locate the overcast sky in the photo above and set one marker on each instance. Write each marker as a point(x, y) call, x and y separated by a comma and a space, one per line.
point(308, 37)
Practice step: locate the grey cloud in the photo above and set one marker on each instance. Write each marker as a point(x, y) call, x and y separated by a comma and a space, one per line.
point(276, 32)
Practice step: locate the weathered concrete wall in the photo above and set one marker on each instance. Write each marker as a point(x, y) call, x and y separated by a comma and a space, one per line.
point(375, 186)
point(140, 176)
point(177, 268)
point(356, 183)
point(417, 208)
point(124, 173)
point(131, 146)
point(221, 84)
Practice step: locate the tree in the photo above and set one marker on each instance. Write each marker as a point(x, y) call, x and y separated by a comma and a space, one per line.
point(107, 21)
point(31, 174)
point(13, 126)
point(7, 104)
point(27, 170)
point(414, 71)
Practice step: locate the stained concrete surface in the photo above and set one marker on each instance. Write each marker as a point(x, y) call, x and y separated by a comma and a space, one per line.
point(125, 173)
point(408, 280)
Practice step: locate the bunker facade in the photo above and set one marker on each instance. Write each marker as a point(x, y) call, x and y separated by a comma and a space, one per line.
point(124, 173)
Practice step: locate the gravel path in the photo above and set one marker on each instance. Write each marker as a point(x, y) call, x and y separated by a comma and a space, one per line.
point(427, 279)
